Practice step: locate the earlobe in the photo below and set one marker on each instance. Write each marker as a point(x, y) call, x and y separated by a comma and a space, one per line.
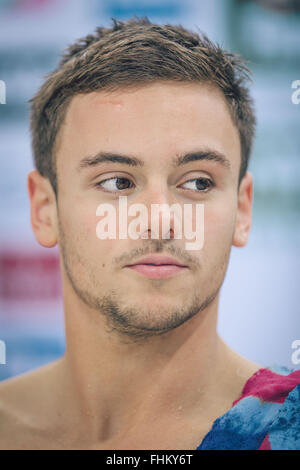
point(244, 212)
point(43, 213)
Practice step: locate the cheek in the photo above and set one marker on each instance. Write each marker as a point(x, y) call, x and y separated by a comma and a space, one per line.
point(79, 225)
point(101, 248)
point(218, 224)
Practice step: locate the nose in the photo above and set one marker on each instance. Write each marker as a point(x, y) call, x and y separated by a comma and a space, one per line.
point(162, 212)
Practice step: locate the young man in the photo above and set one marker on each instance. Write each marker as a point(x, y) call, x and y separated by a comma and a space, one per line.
point(161, 116)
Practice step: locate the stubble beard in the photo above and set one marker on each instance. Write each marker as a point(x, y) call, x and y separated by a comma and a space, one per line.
point(126, 322)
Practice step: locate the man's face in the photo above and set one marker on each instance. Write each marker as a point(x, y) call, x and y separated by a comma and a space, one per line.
point(155, 124)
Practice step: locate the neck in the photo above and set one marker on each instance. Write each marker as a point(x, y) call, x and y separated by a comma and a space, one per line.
point(114, 384)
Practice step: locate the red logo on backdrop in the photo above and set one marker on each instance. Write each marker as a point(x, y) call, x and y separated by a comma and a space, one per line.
point(29, 276)
point(30, 5)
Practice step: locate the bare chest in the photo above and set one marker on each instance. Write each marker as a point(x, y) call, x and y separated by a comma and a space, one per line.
point(181, 436)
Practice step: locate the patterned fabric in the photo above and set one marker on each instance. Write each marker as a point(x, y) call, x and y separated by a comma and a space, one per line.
point(265, 417)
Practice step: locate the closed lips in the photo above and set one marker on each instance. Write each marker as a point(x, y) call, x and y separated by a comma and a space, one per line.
point(158, 261)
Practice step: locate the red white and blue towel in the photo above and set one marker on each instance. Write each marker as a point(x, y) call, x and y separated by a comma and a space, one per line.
point(265, 417)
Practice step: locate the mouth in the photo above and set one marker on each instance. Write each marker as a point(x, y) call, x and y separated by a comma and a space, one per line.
point(157, 267)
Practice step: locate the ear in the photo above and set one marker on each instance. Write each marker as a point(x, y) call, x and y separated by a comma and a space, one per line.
point(43, 211)
point(244, 211)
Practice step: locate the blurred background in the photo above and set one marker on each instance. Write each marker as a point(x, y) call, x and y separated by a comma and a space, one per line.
point(259, 310)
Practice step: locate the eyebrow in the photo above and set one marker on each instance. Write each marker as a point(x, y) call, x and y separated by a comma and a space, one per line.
point(211, 155)
point(103, 157)
point(178, 160)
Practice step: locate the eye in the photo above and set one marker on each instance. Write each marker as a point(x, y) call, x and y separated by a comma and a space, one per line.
point(199, 184)
point(115, 184)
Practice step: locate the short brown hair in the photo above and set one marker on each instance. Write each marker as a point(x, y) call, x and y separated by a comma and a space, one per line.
point(135, 52)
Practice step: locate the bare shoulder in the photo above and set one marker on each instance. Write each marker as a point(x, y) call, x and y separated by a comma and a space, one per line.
point(236, 370)
point(24, 404)
point(23, 388)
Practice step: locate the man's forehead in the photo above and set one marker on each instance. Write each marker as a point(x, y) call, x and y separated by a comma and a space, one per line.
point(115, 121)
point(158, 92)
point(179, 109)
